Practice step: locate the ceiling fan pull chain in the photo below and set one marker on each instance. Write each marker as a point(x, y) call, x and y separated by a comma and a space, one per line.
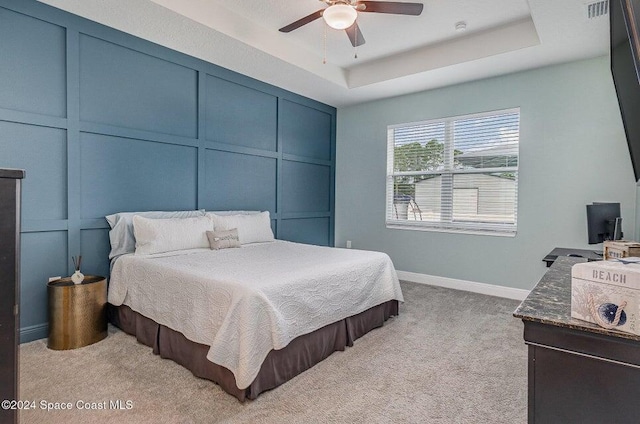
point(324, 47)
point(355, 47)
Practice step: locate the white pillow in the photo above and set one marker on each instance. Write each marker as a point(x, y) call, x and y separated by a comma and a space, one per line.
point(252, 228)
point(121, 235)
point(167, 235)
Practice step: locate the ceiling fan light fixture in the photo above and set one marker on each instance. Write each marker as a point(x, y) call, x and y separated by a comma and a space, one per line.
point(340, 16)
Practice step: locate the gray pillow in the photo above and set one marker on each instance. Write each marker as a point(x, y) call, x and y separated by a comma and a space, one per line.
point(223, 239)
point(121, 235)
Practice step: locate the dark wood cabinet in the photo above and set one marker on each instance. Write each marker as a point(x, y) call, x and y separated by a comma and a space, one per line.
point(581, 377)
point(10, 187)
point(578, 372)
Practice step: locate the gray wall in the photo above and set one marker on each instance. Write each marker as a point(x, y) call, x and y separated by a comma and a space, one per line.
point(572, 152)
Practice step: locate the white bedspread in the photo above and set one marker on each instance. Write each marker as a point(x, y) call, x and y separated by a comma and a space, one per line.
point(244, 302)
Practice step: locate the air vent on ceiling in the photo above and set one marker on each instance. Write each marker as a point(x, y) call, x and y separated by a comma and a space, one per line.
point(597, 9)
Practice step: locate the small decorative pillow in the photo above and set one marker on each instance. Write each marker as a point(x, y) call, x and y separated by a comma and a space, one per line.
point(223, 239)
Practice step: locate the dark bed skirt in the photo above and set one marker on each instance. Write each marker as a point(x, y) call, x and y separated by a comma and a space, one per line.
point(278, 367)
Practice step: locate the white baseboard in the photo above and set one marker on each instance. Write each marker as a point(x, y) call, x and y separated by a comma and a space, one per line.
point(470, 286)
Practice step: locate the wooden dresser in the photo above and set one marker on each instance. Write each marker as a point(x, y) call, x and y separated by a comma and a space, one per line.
point(578, 372)
point(10, 188)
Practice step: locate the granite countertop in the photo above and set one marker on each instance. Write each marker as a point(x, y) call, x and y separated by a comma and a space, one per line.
point(550, 301)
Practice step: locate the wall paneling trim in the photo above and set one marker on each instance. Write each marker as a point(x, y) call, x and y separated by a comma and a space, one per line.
point(105, 122)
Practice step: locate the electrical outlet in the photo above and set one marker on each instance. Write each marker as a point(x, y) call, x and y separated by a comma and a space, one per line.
point(348, 244)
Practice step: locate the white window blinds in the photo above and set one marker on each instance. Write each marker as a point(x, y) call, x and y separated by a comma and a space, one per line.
point(455, 174)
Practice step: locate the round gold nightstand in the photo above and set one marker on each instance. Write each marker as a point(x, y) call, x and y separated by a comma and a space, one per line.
point(77, 312)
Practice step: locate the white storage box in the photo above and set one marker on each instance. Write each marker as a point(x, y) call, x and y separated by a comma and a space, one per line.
point(607, 293)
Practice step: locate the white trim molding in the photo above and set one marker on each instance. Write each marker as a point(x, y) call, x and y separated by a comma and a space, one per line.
point(470, 286)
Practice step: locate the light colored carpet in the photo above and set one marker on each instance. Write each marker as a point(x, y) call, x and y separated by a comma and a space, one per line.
point(450, 357)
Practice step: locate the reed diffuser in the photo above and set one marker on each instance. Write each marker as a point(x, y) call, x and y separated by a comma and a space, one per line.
point(77, 276)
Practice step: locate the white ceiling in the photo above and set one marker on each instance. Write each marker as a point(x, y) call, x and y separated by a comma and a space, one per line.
point(402, 54)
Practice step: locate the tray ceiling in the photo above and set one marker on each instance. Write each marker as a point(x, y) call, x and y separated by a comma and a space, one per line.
point(402, 54)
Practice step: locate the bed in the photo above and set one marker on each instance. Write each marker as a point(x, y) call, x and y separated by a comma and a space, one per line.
point(252, 318)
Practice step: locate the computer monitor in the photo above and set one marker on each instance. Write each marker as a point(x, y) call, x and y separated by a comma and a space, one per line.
point(604, 222)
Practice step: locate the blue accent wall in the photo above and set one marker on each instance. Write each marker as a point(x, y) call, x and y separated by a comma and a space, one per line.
point(105, 122)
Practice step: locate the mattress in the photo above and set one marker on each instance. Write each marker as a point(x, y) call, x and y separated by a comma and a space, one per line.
point(247, 301)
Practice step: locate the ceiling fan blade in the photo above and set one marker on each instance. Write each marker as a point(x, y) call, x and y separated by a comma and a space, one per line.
point(300, 22)
point(355, 36)
point(394, 7)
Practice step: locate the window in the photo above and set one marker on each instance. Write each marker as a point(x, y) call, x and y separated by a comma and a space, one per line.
point(456, 174)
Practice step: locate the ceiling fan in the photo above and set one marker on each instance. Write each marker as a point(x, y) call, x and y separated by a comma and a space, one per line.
point(342, 14)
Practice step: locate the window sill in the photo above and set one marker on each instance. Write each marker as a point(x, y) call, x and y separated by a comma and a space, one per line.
point(471, 231)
